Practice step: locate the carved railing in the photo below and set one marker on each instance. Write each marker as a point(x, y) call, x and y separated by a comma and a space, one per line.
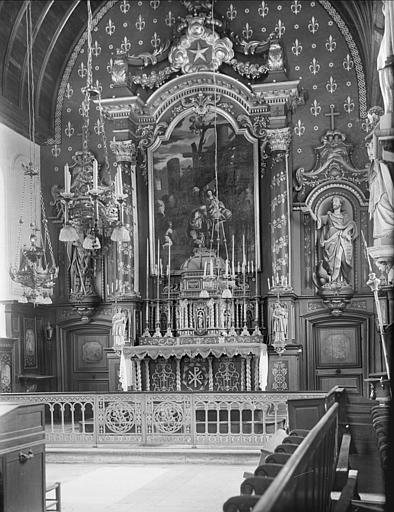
point(305, 481)
point(186, 419)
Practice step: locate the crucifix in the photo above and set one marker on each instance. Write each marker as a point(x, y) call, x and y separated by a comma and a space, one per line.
point(332, 115)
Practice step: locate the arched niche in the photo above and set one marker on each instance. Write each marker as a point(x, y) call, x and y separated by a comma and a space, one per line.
point(354, 206)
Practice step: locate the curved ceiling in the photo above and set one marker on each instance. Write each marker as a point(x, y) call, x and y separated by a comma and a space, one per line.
point(58, 25)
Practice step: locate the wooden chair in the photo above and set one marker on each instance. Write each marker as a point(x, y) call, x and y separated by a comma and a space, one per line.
point(244, 503)
point(286, 448)
point(269, 469)
point(277, 458)
point(256, 485)
point(53, 500)
point(293, 439)
point(299, 432)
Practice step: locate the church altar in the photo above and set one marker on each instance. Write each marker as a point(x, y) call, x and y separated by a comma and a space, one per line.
point(231, 363)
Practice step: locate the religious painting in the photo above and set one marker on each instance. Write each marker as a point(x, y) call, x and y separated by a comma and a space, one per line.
point(338, 347)
point(204, 192)
point(29, 344)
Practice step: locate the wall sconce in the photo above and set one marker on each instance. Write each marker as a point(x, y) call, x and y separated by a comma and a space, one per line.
point(48, 329)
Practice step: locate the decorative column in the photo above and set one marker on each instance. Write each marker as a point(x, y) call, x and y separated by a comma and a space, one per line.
point(279, 140)
point(138, 374)
point(147, 374)
point(248, 373)
point(210, 374)
point(123, 276)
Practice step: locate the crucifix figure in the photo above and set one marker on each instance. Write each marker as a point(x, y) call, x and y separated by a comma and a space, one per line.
point(332, 115)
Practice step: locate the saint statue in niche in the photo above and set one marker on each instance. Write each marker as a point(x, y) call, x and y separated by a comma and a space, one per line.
point(119, 326)
point(279, 324)
point(385, 60)
point(337, 232)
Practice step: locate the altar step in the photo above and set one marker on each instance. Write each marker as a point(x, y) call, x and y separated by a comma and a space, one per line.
point(152, 455)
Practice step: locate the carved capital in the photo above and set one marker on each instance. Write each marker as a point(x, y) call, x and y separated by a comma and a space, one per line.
point(279, 139)
point(124, 150)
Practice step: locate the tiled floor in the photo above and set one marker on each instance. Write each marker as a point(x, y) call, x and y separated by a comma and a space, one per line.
point(145, 488)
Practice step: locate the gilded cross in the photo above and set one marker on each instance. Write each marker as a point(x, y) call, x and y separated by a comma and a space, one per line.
point(332, 115)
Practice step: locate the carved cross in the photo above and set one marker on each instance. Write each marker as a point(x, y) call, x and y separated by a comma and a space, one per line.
point(332, 115)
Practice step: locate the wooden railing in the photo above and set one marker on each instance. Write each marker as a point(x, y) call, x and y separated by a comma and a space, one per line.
point(306, 480)
point(147, 418)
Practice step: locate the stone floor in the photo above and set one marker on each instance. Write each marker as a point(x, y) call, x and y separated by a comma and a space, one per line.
point(145, 487)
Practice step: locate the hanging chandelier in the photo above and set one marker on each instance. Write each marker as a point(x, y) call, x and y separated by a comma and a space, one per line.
point(35, 268)
point(93, 209)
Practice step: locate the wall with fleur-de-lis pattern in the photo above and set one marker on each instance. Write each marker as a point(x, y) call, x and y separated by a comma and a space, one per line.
point(319, 47)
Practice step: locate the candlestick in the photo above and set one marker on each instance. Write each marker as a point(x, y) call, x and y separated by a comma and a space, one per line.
point(232, 259)
point(243, 251)
point(161, 267)
point(268, 283)
point(205, 269)
point(120, 183)
point(67, 179)
point(95, 174)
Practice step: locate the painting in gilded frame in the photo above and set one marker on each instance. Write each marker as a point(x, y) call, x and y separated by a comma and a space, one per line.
point(201, 172)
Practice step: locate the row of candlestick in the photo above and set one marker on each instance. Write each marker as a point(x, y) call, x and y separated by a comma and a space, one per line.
point(246, 267)
point(276, 281)
point(118, 180)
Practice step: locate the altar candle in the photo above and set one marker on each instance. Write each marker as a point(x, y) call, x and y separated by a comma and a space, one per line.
point(238, 268)
point(161, 267)
point(243, 250)
point(205, 269)
point(252, 265)
point(248, 267)
point(232, 259)
point(95, 174)
point(147, 266)
point(112, 287)
point(226, 268)
point(67, 179)
point(119, 180)
point(211, 265)
point(268, 282)
point(158, 256)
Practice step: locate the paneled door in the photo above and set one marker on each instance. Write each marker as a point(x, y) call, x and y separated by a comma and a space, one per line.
point(339, 352)
point(88, 360)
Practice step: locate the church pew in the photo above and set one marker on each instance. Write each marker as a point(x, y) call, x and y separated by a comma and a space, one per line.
point(268, 469)
point(286, 448)
point(301, 432)
point(293, 440)
point(277, 458)
point(256, 485)
point(243, 503)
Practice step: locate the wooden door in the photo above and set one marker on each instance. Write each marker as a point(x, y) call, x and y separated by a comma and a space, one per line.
point(88, 360)
point(339, 355)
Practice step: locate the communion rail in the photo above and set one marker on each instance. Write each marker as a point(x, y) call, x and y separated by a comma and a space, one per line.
point(147, 418)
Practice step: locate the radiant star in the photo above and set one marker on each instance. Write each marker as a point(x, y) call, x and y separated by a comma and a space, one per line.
point(199, 53)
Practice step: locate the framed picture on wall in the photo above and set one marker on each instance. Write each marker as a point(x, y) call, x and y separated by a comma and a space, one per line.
point(30, 360)
point(338, 347)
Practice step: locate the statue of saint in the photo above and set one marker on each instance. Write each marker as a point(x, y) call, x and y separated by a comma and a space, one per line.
point(279, 324)
point(385, 60)
point(119, 323)
point(381, 196)
point(337, 233)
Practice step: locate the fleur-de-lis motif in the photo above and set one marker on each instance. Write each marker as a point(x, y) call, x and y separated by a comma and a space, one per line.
point(110, 27)
point(263, 10)
point(98, 127)
point(315, 108)
point(348, 106)
point(69, 130)
point(314, 66)
point(331, 44)
point(331, 85)
point(155, 41)
point(313, 25)
point(366, 125)
point(154, 4)
point(96, 49)
point(82, 70)
point(110, 65)
point(126, 45)
point(348, 63)
point(140, 23)
point(295, 7)
point(124, 6)
point(299, 128)
point(98, 86)
point(296, 48)
point(231, 12)
point(56, 150)
point(280, 29)
point(69, 91)
point(169, 19)
point(247, 31)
